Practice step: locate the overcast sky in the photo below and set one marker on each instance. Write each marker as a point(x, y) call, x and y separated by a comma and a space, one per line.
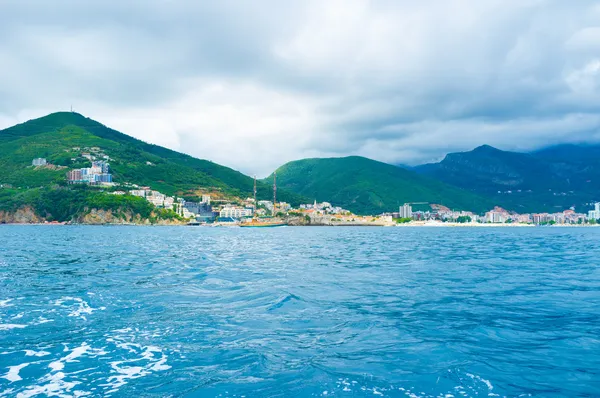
point(254, 84)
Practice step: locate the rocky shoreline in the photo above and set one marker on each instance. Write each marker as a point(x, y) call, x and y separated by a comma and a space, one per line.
point(27, 216)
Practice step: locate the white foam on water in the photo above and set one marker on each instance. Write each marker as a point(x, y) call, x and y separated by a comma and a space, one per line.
point(130, 360)
point(125, 373)
point(148, 359)
point(9, 326)
point(18, 316)
point(5, 303)
point(486, 382)
point(247, 379)
point(41, 320)
point(82, 307)
point(362, 387)
point(77, 352)
point(54, 385)
point(13, 372)
point(56, 366)
point(7, 393)
point(31, 353)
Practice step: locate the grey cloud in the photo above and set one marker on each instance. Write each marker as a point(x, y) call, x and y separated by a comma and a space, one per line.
point(399, 81)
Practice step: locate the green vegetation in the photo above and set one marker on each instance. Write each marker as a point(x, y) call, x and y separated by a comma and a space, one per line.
point(464, 219)
point(366, 186)
point(59, 203)
point(545, 181)
point(402, 220)
point(54, 136)
point(62, 137)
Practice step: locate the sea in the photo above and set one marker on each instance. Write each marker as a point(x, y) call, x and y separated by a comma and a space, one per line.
point(126, 311)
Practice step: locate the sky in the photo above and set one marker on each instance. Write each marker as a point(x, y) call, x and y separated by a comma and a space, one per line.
point(255, 84)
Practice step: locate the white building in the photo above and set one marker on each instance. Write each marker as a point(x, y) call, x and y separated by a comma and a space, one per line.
point(187, 213)
point(156, 198)
point(595, 214)
point(267, 204)
point(206, 199)
point(405, 211)
point(496, 217)
point(235, 212)
point(283, 206)
point(169, 202)
point(138, 192)
point(39, 162)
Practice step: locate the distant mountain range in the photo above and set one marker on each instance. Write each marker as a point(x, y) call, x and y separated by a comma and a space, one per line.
point(554, 178)
point(547, 180)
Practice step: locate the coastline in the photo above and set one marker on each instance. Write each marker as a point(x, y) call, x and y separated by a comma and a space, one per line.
point(406, 225)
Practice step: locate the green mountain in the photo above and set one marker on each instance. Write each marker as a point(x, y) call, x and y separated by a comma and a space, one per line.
point(62, 137)
point(552, 179)
point(366, 186)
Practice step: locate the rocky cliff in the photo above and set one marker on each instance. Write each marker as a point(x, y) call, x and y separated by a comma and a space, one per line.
point(100, 217)
point(24, 215)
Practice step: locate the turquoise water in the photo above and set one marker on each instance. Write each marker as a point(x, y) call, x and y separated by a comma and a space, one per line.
point(344, 312)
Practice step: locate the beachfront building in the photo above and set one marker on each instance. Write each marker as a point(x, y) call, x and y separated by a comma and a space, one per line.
point(158, 199)
point(541, 218)
point(496, 217)
point(405, 211)
point(235, 212)
point(595, 214)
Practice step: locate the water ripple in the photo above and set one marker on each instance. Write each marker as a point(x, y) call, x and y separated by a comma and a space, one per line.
point(394, 312)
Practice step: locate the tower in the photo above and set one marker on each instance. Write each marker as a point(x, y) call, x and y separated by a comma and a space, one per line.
point(255, 203)
point(274, 192)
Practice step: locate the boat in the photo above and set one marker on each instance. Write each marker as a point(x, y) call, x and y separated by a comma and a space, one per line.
point(268, 223)
point(262, 224)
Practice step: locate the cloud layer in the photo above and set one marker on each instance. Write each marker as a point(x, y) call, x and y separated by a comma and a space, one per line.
point(255, 84)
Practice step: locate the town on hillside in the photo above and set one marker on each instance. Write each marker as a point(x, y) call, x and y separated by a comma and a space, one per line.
point(235, 211)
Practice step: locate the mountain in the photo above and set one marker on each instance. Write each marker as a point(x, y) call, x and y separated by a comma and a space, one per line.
point(61, 137)
point(366, 186)
point(546, 180)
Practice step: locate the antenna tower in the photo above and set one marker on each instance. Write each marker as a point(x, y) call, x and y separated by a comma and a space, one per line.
point(274, 192)
point(255, 202)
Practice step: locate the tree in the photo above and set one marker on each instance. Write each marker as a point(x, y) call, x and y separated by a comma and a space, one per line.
point(464, 219)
